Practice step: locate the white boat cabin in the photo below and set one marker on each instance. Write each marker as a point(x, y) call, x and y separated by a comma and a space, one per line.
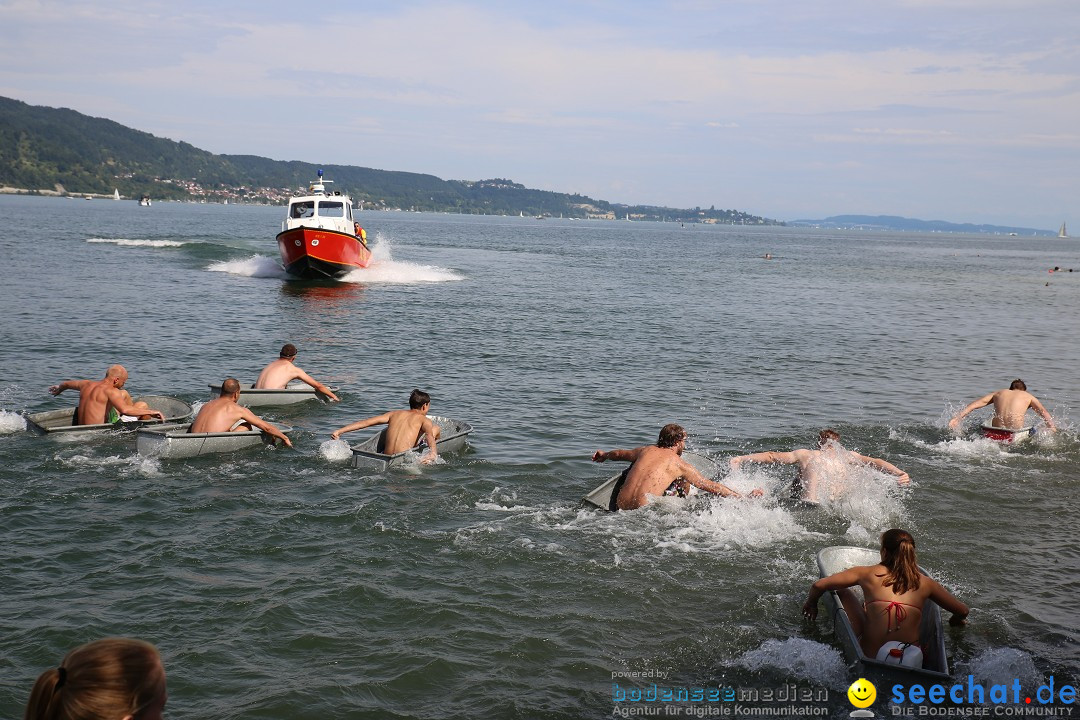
point(320, 209)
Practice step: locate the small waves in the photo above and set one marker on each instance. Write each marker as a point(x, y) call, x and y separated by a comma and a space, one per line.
point(125, 242)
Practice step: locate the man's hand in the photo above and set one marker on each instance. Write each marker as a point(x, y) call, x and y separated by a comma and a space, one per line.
point(55, 389)
point(599, 456)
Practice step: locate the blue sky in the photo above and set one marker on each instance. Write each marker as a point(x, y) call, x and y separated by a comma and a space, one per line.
point(959, 110)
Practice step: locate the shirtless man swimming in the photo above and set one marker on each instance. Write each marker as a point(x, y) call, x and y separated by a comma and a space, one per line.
point(100, 400)
point(222, 414)
point(829, 459)
point(404, 428)
point(282, 371)
point(1010, 408)
point(655, 469)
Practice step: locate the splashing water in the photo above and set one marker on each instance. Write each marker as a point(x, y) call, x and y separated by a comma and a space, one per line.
point(335, 451)
point(1001, 666)
point(258, 266)
point(384, 269)
point(801, 658)
point(11, 422)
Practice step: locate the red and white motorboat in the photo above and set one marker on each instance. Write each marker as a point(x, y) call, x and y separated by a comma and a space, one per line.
point(319, 237)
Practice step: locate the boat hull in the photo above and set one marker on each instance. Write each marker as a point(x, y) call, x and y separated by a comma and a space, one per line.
point(1006, 435)
point(366, 455)
point(290, 395)
point(604, 497)
point(318, 253)
point(57, 423)
point(173, 441)
point(935, 667)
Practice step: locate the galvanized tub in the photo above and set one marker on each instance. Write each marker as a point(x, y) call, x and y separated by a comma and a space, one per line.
point(57, 423)
point(174, 441)
point(250, 396)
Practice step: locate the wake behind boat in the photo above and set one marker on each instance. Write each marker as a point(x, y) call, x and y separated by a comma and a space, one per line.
point(58, 423)
point(319, 238)
point(368, 454)
point(935, 664)
point(604, 497)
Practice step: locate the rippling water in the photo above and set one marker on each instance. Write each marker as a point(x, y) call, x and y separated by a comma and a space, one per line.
point(285, 584)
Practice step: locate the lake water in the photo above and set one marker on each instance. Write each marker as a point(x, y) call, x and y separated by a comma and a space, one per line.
point(286, 584)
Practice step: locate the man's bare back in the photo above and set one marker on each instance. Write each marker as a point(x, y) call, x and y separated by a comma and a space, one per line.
point(655, 467)
point(816, 467)
point(97, 397)
point(1010, 408)
point(222, 414)
point(404, 428)
point(279, 373)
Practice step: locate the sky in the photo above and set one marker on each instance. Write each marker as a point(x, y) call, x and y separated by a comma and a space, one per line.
point(957, 110)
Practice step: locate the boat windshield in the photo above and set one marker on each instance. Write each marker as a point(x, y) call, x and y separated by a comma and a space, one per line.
point(331, 208)
point(302, 209)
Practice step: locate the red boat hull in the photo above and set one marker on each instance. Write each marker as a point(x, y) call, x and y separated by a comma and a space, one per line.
point(314, 253)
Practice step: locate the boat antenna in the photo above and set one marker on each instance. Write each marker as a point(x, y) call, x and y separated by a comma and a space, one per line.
point(320, 172)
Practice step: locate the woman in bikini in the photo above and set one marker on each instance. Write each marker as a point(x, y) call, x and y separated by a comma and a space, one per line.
point(894, 593)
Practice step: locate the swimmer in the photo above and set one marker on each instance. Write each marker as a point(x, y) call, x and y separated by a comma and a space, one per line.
point(830, 459)
point(1010, 408)
point(895, 591)
point(656, 470)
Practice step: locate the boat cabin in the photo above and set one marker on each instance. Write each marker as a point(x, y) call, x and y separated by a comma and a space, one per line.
point(320, 209)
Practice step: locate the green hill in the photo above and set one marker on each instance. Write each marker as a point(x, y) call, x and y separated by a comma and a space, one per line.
point(50, 150)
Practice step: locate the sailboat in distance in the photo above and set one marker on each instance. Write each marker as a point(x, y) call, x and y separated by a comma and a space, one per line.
point(1061, 232)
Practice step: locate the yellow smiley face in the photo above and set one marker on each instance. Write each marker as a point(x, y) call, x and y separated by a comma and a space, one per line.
point(862, 693)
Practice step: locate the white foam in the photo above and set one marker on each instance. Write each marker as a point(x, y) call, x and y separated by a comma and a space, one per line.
point(1001, 666)
point(384, 269)
point(258, 266)
point(11, 422)
point(124, 242)
point(335, 451)
point(804, 659)
point(501, 500)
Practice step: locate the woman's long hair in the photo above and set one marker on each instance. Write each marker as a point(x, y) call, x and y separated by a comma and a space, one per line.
point(898, 556)
point(107, 678)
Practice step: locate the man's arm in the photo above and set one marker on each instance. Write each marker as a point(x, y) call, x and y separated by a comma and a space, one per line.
point(902, 477)
point(430, 437)
point(1037, 407)
point(766, 458)
point(695, 478)
point(266, 427)
point(69, 385)
point(122, 402)
point(301, 375)
point(981, 402)
point(621, 455)
point(361, 424)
